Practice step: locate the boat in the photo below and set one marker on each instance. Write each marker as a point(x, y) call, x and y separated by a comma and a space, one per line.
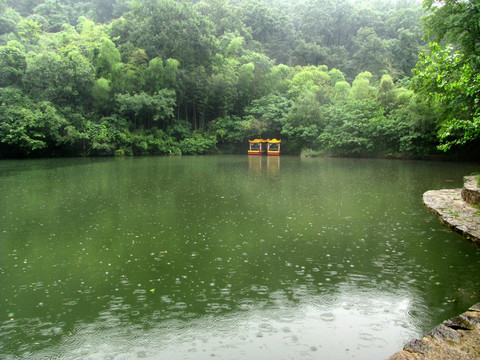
point(273, 147)
point(257, 147)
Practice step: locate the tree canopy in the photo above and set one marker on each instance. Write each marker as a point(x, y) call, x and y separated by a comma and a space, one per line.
point(448, 72)
point(122, 77)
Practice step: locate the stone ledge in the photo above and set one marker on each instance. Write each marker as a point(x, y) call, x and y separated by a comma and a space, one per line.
point(455, 212)
point(454, 339)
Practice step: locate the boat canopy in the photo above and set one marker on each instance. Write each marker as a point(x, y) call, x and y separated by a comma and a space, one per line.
point(272, 141)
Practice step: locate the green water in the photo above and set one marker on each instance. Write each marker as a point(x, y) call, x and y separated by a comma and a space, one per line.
point(227, 257)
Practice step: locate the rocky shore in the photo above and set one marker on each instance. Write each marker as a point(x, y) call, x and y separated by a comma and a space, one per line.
point(458, 208)
point(457, 338)
point(454, 339)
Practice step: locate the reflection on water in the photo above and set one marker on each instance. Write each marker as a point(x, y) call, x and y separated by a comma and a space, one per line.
point(225, 256)
point(355, 323)
point(256, 164)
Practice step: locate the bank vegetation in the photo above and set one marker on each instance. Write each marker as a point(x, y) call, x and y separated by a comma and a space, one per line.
point(344, 78)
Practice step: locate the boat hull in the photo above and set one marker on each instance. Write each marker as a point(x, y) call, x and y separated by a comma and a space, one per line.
point(254, 152)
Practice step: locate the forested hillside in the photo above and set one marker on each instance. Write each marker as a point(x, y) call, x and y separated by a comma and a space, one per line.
point(121, 77)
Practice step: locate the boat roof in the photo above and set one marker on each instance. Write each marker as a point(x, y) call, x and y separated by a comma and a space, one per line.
point(273, 141)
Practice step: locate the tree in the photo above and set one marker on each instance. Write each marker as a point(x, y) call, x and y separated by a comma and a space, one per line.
point(343, 91)
point(361, 88)
point(12, 64)
point(29, 31)
point(222, 88)
point(63, 80)
point(108, 57)
point(28, 127)
point(167, 29)
point(271, 27)
point(386, 92)
point(304, 122)
point(102, 94)
point(170, 73)
point(270, 111)
point(352, 129)
point(443, 76)
point(449, 74)
point(234, 47)
point(311, 78)
point(371, 51)
point(226, 17)
point(154, 75)
point(146, 110)
point(245, 84)
point(55, 14)
point(456, 22)
point(335, 76)
point(8, 18)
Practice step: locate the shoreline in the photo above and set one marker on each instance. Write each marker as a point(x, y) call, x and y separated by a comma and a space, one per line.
point(455, 212)
point(457, 338)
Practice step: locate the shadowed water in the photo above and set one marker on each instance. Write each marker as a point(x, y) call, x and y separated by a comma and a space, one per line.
point(226, 256)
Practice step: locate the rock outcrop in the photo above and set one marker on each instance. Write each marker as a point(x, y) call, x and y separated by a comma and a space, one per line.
point(454, 339)
point(458, 208)
point(457, 338)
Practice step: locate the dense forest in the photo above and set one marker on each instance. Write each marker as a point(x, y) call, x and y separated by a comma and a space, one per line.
point(382, 78)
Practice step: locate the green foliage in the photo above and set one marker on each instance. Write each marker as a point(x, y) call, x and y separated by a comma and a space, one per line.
point(304, 122)
point(54, 13)
point(108, 57)
point(173, 77)
point(62, 80)
point(29, 31)
point(28, 127)
point(232, 130)
point(386, 92)
point(155, 75)
point(101, 92)
point(456, 22)
point(160, 27)
point(336, 76)
point(361, 88)
point(343, 91)
point(198, 144)
point(442, 76)
point(146, 110)
point(449, 74)
point(270, 112)
point(349, 129)
point(12, 64)
point(371, 51)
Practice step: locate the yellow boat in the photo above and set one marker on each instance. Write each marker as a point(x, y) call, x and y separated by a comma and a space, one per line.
point(257, 147)
point(273, 147)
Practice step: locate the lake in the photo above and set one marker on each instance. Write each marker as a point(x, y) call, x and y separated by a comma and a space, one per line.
point(227, 257)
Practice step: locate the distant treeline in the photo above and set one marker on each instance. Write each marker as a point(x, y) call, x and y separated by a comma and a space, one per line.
point(120, 77)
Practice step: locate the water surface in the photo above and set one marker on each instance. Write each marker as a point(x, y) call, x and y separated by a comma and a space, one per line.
point(226, 257)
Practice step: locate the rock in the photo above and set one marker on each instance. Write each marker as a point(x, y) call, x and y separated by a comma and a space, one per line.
point(455, 212)
point(471, 192)
point(445, 333)
point(417, 346)
point(455, 339)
